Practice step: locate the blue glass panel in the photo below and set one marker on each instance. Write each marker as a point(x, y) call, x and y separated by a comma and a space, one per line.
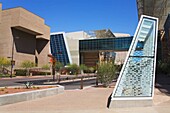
point(58, 48)
point(115, 44)
point(137, 75)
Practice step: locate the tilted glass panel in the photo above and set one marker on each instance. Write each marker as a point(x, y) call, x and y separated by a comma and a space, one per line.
point(58, 48)
point(136, 77)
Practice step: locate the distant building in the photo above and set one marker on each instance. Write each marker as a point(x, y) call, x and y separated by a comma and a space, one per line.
point(24, 36)
point(59, 48)
point(73, 44)
point(94, 51)
point(121, 35)
point(65, 46)
point(89, 47)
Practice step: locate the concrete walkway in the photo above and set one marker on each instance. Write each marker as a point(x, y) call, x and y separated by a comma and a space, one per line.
point(89, 100)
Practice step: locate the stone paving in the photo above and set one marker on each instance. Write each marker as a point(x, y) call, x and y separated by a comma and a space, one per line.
point(88, 100)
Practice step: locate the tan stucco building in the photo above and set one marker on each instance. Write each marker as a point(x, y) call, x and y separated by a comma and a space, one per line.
point(73, 44)
point(23, 36)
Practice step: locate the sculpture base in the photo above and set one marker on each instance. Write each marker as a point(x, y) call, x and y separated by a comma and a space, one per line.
point(130, 103)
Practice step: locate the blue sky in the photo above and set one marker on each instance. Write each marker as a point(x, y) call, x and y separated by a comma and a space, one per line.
point(75, 15)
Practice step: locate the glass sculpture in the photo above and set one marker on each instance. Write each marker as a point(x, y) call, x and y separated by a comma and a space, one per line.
point(137, 77)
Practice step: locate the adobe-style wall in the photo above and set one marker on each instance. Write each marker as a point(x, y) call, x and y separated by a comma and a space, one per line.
point(27, 31)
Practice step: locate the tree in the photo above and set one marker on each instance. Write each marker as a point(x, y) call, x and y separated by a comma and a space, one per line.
point(58, 66)
point(27, 65)
point(46, 67)
point(106, 73)
point(4, 62)
point(83, 68)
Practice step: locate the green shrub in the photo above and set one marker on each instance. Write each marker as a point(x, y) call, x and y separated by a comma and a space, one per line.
point(42, 73)
point(46, 67)
point(5, 75)
point(20, 72)
point(27, 64)
point(58, 66)
point(73, 69)
point(83, 68)
point(91, 69)
point(163, 67)
point(106, 73)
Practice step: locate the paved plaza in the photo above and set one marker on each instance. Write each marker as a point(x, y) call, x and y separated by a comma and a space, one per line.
point(88, 100)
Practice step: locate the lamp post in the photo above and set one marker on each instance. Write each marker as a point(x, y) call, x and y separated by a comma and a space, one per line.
point(12, 56)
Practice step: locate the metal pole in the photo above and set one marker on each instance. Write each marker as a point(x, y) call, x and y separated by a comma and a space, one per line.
point(53, 70)
point(81, 85)
point(97, 74)
point(12, 58)
point(97, 82)
point(59, 78)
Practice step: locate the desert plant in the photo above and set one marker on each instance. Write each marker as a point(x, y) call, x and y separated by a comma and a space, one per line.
point(73, 68)
point(46, 67)
point(163, 67)
point(83, 68)
point(58, 66)
point(6, 75)
point(4, 62)
point(27, 65)
point(91, 69)
point(20, 72)
point(28, 85)
point(106, 73)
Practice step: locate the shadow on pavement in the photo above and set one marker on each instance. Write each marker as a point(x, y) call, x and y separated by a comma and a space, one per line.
point(109, 100)
point(163, 83)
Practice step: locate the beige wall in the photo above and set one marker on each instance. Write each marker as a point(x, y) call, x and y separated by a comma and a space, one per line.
point(31, 36)
point(42, 55)
point(73, 44)
point(121, 35)
point(120, 57)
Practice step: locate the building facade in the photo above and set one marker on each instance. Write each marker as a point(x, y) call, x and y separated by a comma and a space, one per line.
point(68, 43)
point(83, 48)
point(73, 44)
point(59, 48)
point(93, 51)
point(24, 36)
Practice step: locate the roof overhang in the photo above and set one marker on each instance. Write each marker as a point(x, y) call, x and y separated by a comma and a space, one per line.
point(27, 30)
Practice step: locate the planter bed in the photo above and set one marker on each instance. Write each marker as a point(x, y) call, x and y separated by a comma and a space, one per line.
point(22, 94)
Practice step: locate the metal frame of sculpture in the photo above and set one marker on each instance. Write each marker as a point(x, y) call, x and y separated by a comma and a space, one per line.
point(137, 76)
